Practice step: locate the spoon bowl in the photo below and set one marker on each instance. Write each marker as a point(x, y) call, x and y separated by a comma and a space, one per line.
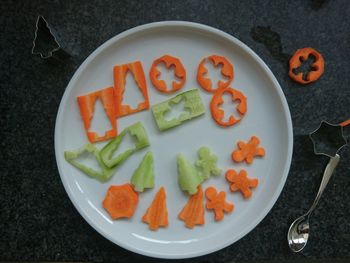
point(298, 233)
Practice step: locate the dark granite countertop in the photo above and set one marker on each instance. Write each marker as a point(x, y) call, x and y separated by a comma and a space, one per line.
point(37, 219)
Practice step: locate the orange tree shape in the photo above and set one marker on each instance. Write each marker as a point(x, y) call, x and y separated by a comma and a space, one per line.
point(247, 151)
point(240, 182)
point(216, 202)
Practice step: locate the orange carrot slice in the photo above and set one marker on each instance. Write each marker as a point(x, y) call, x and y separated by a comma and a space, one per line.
point(121, 201)
point(218, 114)
point(193, 212)
point(120, 71)
point(179, 71)
point(247, 151)
point(241, 182)
point(226, 70)
point(157, 214)
point(216, 202)
point(345, 123)
point(87, 106)
point(317, 68)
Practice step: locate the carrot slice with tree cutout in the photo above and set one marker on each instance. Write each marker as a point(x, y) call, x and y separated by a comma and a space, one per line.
point(218, 114)
point(317, 67)
point(120, 71)
point(87, 106)
point(241, 182)
point(121, 201)
point(193, 212)
point(179, 71)
point(226, 70)
point(247, 151)
point(157, 214)
point(216, 202)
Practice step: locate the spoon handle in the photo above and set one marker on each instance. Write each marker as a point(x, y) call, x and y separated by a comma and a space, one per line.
point(328, 172)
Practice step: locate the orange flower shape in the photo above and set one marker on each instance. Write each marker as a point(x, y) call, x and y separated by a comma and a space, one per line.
point(247, 151)
point(121, 201)
point(216, 202)
point(241, 182)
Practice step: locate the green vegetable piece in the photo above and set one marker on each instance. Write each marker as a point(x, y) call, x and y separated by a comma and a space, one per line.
point(102, 176)
point(193, 107)
point(207, 163)
point(140, 135)
point(143, 176)
point(188, 176)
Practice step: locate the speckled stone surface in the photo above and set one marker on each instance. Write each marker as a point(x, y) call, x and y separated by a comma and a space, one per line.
point(37, 219)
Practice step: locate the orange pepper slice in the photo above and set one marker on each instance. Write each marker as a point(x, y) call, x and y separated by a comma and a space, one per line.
point(297, 59)
point(87, 106)
point(179, 71)
point(226, 70)
point(120, 71)
point(218, 114)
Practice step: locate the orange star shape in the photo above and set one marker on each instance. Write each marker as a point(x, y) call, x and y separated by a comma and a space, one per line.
point(241, 182)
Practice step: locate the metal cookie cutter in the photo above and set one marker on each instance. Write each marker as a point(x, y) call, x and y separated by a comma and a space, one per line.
point(327, 139)
point(45, 43)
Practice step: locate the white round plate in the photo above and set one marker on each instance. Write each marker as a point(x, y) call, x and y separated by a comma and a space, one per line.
point(268, 117)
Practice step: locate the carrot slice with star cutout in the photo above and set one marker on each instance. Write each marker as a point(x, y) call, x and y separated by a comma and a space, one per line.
point(157, 214)
point(241, 182)
point(120, 71)
point(216, 202)
point(87, 106)
point(193, 212)
point(226, 70)
point(247, 151)
point(121, 201)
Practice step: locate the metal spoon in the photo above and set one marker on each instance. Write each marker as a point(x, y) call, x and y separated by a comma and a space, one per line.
point(299, 230)
point(327, 140)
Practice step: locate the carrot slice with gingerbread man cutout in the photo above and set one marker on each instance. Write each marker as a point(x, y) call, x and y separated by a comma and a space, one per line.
point(226, 70)
point(241, 182)
point(216, 202)
point(247, 151)
point(179, 71)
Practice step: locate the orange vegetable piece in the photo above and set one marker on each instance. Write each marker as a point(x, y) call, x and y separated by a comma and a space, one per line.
point(193, 212)
point(247, 151)
point(226, 70)
point(121, 201)
point(317, 68)
point(240, 182)
point(345, 123)
point(169, 62)
point(120, 71)
point(218, 114)
point(157, 214)
point(216, 202)
point(87, 106)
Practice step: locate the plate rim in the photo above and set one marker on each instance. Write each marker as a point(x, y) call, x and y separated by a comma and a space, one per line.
point(262, 64)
